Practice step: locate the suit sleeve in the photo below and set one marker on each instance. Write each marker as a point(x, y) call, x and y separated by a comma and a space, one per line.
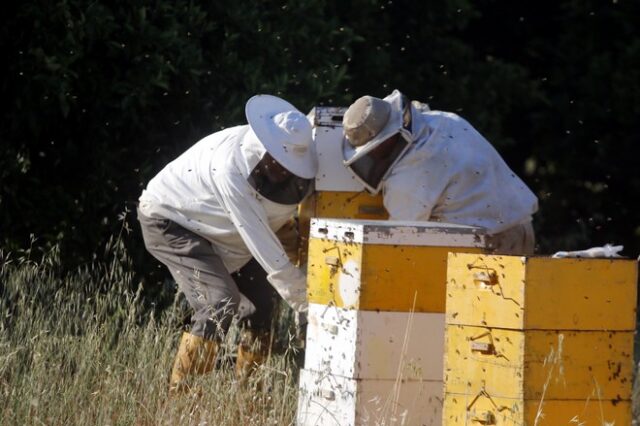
point(250, 219)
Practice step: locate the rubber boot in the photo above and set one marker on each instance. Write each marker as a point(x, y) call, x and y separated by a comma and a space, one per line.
point(196, 355)
point(253, 351)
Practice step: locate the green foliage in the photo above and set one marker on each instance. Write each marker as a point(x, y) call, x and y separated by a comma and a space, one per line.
point(593, 91)
point(102, 94)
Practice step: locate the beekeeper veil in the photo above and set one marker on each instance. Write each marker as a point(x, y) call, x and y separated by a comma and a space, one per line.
point(279, 150)
point(370, 148)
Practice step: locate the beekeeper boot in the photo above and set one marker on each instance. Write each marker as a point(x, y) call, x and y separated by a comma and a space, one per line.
point(253, 351)
point(196, 355)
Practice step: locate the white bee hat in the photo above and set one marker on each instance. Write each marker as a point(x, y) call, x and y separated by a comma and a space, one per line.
point(285, 133)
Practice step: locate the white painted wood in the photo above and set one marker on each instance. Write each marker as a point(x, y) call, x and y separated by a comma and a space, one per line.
point(405, 233)
point(328, 136)
point(327, 400)
point(328, 116)
point(375, 345)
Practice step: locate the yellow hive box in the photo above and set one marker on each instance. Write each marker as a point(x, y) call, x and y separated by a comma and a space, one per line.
point(541, 293)
point(338, 193)
point(481, 409)
point(384, 265)
point(535, 340)
point(539, 364)
point(343, 205)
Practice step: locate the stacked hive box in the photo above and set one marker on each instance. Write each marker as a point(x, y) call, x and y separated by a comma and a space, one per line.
point(376, 320)
point(338, 193)
point(539, 341)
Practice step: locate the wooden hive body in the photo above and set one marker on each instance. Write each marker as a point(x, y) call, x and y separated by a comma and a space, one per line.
point(337, 192)
point(535, 340)
point(387, 266)
point(375, 338)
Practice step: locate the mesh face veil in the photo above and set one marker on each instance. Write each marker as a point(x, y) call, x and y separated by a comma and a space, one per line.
point(372, 167)
point(268, 177)
point(372, 162)
point(275, 183)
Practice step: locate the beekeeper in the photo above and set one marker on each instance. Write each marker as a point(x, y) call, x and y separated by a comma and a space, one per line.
point(211, 217)
point(433, 165)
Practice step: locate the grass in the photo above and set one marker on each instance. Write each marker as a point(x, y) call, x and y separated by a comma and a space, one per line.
point(82, 349)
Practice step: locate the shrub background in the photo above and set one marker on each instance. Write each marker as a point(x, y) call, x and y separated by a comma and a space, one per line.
point(100, 95)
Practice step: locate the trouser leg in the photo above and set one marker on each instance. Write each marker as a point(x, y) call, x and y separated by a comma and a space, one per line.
point(256, 338)
point(199, 272)
point(517, 240)
point(252, 282)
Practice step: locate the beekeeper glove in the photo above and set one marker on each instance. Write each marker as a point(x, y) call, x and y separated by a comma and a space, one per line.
point(291, 284)
point(607, 250)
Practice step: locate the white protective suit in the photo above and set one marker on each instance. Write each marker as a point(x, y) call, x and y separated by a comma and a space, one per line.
point(451, 173)
point(206, 191)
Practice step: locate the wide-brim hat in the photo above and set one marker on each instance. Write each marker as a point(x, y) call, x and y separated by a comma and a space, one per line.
point(396, 122)
point(285, 132)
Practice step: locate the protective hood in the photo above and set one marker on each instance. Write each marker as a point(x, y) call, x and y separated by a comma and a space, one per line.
point(290, 191)
point(364, 162)
point(284, 132)
point(251, 151)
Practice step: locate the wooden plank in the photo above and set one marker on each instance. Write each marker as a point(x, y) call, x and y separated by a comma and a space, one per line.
point(375, 345)
point(537, 364)
point(479, 410)
point(541, 293)
point(327, 400)
point(378, 277)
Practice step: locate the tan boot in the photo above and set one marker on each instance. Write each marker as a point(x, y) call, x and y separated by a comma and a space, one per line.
point(196, 355)
point(253, 351)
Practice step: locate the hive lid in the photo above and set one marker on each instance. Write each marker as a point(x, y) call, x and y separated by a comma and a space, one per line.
point(404, 233)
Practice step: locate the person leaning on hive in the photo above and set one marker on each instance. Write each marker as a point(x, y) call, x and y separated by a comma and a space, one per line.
point(211, 215)
point(433, 165)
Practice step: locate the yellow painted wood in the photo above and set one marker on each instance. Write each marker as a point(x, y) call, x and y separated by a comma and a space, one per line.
point(541, 292)
point(378, 277)
point(461, 410)
point(536, 364)
point(336, 204)
point(349, 205)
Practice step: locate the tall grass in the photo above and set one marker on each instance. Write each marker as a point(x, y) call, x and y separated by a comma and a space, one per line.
point(82, 348)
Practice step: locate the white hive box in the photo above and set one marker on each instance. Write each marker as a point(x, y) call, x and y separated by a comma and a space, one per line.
point(375, 339)
point(328, 136)
point(375, 344)
point(329, 400)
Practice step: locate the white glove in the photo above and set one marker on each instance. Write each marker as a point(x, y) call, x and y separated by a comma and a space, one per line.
point(605, 251)
point(291, 285)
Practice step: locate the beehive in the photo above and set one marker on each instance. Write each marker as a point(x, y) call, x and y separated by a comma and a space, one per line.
point(386, 266)
point(337, 192)
point(376, 320)
point(375, 345)
point(535, 340)
point(331, 400)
